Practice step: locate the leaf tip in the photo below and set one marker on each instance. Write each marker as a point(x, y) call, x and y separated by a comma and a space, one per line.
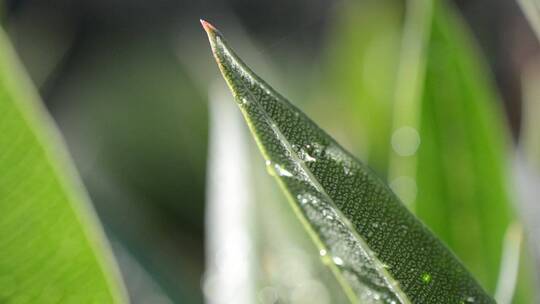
point(209, 28)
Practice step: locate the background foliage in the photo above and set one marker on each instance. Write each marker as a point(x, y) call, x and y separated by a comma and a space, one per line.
point(129, 82)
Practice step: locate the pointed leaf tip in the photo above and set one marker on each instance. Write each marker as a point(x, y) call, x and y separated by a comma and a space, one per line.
point(209, 28)
point(379, 252)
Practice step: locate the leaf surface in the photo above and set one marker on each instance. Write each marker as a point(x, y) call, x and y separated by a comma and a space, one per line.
point(464, 146)
point(378, 251)
point(51, 247)
point(462, 139)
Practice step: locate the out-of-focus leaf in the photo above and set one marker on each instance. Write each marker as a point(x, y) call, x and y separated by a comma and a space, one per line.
point(52, 249)
point(378, 251)
point(407, 99)
point(462, 143)
point(360, 67)
point(462, 177)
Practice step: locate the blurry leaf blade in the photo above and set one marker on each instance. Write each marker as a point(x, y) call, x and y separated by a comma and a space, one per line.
point(52, 249)
point(360, 65)
point(408, 100)
point(464, 125)
point(377, 250)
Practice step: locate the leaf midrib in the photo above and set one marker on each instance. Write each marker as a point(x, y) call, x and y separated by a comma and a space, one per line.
point(389, 280)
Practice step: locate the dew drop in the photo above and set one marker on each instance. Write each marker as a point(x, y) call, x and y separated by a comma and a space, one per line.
point(426, 278)
point(337, 260)
point(322, 252)
point(306, 157)
point(269, 167)
point(302, 198)
point(282, 171)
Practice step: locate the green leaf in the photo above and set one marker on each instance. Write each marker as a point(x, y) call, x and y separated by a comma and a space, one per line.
point(475, 143)
point(464, 124)
point(378, 251)
point(460, 123)
point(51, 247)
point(360, 65)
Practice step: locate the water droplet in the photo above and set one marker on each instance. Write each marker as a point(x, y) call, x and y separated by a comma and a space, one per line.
point(242, 101)
point(306, 157)
point(269, 169)
point(405, 141)
point(322, 252)
point(303, 198)
point(282, 171)
point(426, 278)
point(337, 260)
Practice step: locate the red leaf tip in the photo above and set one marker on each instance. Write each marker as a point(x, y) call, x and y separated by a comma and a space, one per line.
point(207, 26)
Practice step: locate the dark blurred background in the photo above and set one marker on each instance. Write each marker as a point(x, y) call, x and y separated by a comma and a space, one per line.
point(127, 83)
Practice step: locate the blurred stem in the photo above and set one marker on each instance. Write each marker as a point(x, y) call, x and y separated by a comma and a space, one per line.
point(229, 242)
point(508, 273)
point(531, 10)
point(408, 93)
point(529, 139)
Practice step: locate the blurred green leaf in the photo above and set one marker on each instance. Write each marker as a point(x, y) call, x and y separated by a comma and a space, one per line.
point(52, 249)
point(378, 251)
point(461, 182)
point(462, 177)
point(359, 70)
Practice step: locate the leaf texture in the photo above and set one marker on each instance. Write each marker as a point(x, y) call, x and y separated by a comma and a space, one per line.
point(51, 247)
point(378, 251)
